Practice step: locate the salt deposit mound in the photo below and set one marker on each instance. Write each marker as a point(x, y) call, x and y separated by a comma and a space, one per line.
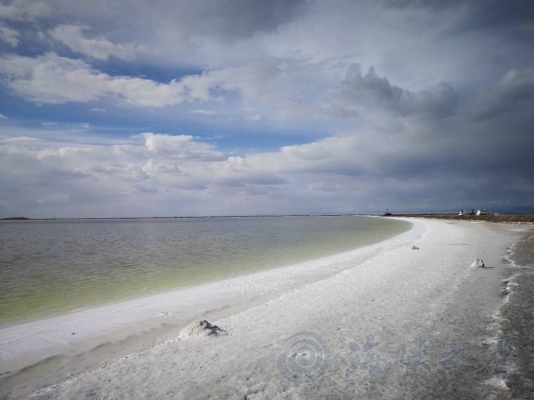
point(478, 263)
point(201, 329)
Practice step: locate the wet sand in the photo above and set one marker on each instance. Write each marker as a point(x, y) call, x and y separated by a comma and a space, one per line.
point(518, 317)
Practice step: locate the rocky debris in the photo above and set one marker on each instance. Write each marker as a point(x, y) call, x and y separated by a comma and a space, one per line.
point(201, 329)
point(478, 263)
point(415, 248)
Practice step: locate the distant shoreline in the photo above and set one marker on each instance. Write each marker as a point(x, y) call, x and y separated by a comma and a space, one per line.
point(503, 217)
point(191, 217)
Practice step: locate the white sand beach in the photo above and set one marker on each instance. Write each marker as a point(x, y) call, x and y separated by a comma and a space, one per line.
point(385, 321)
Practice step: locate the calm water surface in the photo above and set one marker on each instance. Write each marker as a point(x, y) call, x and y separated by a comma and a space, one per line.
point(50, 267)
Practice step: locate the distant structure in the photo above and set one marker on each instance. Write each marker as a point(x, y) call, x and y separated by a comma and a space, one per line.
point(466, 212)
point(387, 213)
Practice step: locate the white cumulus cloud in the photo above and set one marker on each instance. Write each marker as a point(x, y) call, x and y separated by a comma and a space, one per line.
point(203, 112)
point(53, 79)
point(8, 35)
point(180, 146)
point(100, 48)
point(25, 10)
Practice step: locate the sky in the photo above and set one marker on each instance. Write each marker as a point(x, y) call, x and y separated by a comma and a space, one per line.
point(131, 108)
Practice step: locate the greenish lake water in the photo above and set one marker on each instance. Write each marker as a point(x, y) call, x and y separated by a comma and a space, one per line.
point(53, 267)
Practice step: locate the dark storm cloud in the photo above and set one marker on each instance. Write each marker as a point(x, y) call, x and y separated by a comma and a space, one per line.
point(221, 19)
point(480, 14)
point(370, 91)
point(515, 92)
point(422, 3)
point(495, 13)
point(234, 18)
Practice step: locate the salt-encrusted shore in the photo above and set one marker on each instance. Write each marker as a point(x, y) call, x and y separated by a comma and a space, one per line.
point(390, 322)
